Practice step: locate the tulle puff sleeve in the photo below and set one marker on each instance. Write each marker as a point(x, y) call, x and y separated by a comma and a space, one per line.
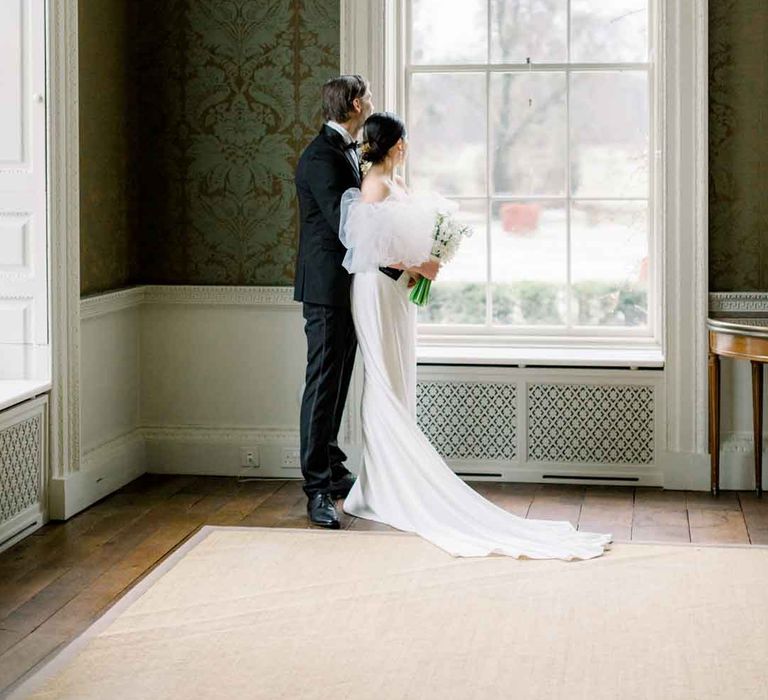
point(398, 229)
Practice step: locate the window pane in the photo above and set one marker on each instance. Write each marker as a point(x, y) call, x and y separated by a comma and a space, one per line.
point(609, 263)
point(447, 133)
point(522, 29)
point(609, 32)
point(529, 263)
point(458, 293)
point(449, 32)
point(609, 134)
point(528, 138)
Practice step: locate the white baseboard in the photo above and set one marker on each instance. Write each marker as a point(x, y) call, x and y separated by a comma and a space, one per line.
point(103, 470)
point(217, 451)
point(737, 463)
point(683, 471)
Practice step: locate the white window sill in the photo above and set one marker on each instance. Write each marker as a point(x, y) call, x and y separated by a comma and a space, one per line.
point(14, 391)
point(540, 356)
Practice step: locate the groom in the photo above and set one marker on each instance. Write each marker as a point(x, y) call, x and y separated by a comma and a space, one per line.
point(328, 166)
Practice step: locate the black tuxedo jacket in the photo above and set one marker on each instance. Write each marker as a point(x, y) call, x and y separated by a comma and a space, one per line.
point(323, 174)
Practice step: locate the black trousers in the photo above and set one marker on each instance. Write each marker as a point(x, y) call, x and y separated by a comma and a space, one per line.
point(331, 346)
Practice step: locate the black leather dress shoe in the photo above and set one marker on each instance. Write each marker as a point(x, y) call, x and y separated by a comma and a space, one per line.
point(322, 511)
point(341, 488)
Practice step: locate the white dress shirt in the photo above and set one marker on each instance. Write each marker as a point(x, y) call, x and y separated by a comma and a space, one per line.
point(347, 139)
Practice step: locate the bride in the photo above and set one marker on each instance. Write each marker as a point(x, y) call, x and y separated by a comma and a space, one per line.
point(403, 481)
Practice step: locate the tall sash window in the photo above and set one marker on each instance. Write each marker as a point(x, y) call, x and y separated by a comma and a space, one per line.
point(538, 117)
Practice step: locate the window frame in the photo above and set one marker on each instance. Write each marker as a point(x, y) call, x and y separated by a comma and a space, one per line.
point(398, 74)
point(368, 37)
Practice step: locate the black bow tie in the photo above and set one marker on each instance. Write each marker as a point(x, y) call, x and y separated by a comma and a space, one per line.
point(351, 144)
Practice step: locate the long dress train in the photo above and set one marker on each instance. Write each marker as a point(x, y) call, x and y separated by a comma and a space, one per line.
point(403, 480)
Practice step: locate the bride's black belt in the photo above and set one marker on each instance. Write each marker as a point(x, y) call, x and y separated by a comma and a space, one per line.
point(391, 272)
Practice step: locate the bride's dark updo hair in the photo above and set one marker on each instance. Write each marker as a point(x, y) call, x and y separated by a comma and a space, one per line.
point(381, 131)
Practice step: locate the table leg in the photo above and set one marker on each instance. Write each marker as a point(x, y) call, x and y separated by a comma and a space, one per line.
point(757, 423)
point(714, 421)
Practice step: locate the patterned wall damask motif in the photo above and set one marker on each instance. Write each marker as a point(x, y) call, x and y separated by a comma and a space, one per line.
point(738, 145)
point(193, 113)
point(222, 95)
point(226, 95)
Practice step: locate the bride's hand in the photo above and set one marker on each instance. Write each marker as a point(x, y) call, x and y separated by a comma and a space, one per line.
point(414, 277)
point(428, 269)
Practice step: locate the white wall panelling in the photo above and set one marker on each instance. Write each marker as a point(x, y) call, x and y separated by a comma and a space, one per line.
point(182, 379)
point(110, 377)
point(113, 447)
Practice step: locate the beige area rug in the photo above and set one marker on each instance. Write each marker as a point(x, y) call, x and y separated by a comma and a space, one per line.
point(270, 613)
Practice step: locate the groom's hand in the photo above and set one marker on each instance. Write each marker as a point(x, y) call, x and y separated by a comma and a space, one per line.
point(414, 277)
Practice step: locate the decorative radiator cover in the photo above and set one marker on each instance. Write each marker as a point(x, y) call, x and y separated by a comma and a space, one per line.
point(591, 423)
point(469, 420)
point(22, 469)
point(594, 420)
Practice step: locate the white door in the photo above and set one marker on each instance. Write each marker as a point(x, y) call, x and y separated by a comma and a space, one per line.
point(24, 339)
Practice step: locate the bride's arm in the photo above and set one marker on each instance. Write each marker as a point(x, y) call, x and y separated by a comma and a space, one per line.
point(376, 189)
point(428, 269)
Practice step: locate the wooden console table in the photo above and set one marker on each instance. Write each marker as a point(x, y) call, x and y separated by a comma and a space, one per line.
point(743, 339)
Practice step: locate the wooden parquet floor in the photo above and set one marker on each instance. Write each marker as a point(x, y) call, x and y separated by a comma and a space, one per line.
point(55, 582)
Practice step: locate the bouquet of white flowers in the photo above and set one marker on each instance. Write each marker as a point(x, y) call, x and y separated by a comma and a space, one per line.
point(447, 236)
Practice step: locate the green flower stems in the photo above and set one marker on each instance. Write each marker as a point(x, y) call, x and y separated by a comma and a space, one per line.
point(420, 291)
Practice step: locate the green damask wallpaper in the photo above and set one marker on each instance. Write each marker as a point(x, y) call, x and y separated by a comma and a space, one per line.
point(108, 245)
point(193, 113)
point(227, 96)
point(738, 145)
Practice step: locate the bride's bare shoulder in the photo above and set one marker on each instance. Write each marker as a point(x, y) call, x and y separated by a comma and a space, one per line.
point(374, 189)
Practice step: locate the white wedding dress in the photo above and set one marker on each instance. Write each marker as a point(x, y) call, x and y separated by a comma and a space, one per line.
point(403, 481)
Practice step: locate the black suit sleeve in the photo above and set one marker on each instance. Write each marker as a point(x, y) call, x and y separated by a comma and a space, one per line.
point(392, 272)
point(326, 186)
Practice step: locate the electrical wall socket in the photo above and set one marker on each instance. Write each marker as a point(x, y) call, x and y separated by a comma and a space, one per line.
point(249, 457)
point(290, 458)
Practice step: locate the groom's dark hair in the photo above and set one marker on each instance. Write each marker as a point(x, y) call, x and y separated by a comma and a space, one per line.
point(338, 95)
